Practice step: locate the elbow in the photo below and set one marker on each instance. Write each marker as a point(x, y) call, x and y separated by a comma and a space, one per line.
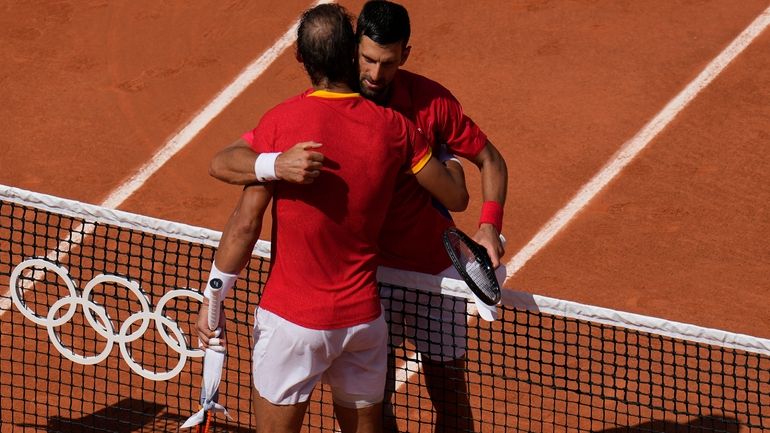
point(216, 170)
point(246, 225)
point(464, 202)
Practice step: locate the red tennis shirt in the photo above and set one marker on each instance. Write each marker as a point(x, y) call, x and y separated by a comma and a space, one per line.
point(324, 239)
point(411, 236)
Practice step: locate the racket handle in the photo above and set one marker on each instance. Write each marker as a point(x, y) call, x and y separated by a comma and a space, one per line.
point(215, 302)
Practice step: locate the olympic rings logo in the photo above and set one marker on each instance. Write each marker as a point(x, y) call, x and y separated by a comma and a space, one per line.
point(97, 317)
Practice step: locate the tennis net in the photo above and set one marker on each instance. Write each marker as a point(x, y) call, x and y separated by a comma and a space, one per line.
point(96, 324)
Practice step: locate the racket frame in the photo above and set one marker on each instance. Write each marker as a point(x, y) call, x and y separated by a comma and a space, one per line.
point(483, 260)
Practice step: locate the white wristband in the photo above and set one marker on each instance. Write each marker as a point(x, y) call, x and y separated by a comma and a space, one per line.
point(219, 280)
point(264, 167)
point(452, 158)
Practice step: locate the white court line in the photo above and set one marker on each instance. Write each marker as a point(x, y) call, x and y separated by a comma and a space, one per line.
point(202, 119)
point(631, 148)
point(180, 140)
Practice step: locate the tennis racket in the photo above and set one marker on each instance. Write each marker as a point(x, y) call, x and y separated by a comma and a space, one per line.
point(215, 303)
point(473, 264)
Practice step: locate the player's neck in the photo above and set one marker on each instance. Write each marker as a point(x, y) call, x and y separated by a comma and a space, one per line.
point(333, 87)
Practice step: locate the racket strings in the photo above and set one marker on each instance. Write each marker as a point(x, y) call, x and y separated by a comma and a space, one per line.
point(470, 258)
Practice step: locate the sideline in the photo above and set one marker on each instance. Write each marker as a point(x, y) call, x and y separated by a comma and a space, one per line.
point(631, 148)
point(205, 116)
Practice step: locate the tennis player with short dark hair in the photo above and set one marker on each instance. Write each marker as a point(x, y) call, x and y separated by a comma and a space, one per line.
point(411, 236)
point(320, 316)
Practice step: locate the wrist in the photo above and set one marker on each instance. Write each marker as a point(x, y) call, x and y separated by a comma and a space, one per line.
point(264, 166)
point(492, 213)
point(219, 281)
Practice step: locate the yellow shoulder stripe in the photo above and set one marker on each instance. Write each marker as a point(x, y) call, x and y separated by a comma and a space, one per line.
point(421, 163)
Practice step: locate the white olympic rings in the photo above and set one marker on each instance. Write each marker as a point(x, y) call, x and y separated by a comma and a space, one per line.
point(97, 317)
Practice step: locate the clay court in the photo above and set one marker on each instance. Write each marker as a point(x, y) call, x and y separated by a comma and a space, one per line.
point(635, 133)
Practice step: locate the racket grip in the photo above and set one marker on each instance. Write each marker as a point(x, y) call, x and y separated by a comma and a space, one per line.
point(215, 301)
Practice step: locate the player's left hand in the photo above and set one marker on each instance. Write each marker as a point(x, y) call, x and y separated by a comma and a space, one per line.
point(301, 163)
point(489, 238)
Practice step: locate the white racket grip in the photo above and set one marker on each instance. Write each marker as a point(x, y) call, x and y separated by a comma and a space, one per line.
point(215, 301)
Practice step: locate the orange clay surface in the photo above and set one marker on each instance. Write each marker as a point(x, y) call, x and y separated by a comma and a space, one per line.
point(92, 89)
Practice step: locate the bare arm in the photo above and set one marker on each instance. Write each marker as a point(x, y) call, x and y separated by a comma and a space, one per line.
point(445, 182)
point(494, 187)
point(235, 163)
point(243, 228)
point(238, 238)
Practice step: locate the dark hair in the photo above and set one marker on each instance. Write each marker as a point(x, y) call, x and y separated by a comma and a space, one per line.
point(326, 43)
point(383, 22)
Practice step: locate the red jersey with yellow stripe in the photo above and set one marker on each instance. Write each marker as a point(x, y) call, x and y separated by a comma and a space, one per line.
point(411, 237)
point(325, 234)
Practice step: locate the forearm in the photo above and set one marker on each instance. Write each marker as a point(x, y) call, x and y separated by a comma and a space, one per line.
point(242, 229)
point(234, 252)
point(234, 165)
point(494, 175)
point(238, 238)
point(238, 164)
point(494, 187)
point(237, 243)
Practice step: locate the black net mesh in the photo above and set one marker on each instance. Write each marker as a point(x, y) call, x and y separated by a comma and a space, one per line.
point(99, 340)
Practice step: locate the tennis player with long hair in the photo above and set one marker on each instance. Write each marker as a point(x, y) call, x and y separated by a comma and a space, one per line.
point(320, 316)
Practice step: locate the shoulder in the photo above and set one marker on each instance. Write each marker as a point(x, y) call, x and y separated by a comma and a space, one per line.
point(425, 96)
point(422, 85)
point(290, 103)
point(384, 113)
point(285, 109)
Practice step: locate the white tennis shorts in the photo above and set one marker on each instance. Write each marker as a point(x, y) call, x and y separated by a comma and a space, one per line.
point(435, 324)
point(288, 360)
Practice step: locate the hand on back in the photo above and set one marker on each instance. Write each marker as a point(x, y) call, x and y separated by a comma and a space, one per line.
point(300, 163)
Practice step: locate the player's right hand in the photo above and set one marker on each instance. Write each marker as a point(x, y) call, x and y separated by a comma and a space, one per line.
point(300, 164)
point(488, 237)
point(209, 338)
